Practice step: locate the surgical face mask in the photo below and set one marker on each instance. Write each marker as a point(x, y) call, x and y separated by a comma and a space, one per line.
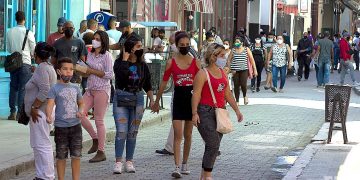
point(184, 50)
point(263, 39)
point(257, 41)
point(226, 46)
point(220, 62)
point(271, 40)
point(96, 44)
point(237, 45)
point(280, 41)
point(66, 79)
point(139, 53)
point(68, 33)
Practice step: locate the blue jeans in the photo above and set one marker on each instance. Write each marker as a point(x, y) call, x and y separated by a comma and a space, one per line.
point(18, 79)
point(127, 121)
point(275, 73)
point(324, 72)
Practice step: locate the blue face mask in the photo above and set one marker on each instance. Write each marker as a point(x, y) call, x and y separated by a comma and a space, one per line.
point(221, 62)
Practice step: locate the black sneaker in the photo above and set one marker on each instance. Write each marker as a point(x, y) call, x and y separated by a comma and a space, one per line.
point(252, 88)
point(257, 89)
point(274, 89)
point(164, 152)
point(299, 78)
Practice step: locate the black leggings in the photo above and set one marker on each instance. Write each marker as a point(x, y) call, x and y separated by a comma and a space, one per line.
point(240, 79)
point(259, 68)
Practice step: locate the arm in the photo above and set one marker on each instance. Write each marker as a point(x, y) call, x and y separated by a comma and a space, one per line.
point(198, 85)
point(166, 77)
point(290, 57)
point(269, 57)
point(115, 46)
point(32, 42)
point(108, 68)
point(49, 110)
point(251, 58)
point(43, 84)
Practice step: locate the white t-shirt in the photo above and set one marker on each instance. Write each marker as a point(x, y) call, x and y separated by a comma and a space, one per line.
point(157, 41)
point(194, 44)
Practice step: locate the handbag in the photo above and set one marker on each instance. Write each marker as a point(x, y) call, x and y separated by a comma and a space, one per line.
point(223, 122)
point(14, 61)
point(21, 117)
point(126, 100)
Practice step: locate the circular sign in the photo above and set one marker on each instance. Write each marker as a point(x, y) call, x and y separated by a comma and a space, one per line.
point(99, 17)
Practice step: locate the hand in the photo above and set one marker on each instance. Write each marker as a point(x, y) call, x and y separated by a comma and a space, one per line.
point(80, 114)
point(239, 116)
point(155, 108)
point(35, 115)
point(126, 55)
point(227, 70)
point(33, 68)
point(289, 66)
point(233, 72)
point(49, 119)
point(151, 105)
point(196, 119)
point(255, 73)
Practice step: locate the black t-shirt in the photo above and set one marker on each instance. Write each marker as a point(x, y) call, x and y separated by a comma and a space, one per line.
point(73, 48)
point(124, 37)
point(132, 76)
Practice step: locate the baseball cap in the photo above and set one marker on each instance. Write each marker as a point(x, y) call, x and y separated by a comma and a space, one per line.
point(61, 21)
point(124, 23)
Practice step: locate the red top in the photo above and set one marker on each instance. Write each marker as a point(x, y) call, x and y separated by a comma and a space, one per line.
point(181, 77)
point(218, 86)
point(344, 48)
point(53, 37)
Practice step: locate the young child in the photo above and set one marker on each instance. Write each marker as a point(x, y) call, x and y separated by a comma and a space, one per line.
point(69, 109)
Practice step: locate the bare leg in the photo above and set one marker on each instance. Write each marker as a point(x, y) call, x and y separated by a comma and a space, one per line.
point(178, 133)
point(60, 167)
point(187, 143)
point(75, 166)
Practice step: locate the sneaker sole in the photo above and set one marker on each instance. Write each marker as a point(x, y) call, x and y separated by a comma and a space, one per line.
point(130, 171)
point(117, 172)
point(176, 175)
point(185, 173)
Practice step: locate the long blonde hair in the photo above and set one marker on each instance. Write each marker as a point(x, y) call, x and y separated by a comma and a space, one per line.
point(213, 49)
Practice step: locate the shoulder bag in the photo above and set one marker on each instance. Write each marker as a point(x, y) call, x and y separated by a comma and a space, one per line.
point(223, 121)
point(14, 61)
point(21, 117)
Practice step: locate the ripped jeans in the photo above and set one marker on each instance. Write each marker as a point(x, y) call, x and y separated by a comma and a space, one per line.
point(127, 121)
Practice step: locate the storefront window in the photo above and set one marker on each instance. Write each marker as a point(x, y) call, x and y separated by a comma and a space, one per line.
point(2, 25)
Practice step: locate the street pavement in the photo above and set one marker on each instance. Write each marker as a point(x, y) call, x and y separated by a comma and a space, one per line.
point(275, 125)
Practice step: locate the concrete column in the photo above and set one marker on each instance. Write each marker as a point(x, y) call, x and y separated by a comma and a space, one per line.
point(327, 17)
point(265, 15)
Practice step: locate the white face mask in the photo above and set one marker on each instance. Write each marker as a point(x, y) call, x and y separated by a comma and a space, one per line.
point(263, 39)
point(280, 41)
point(226, 46)
point(96, 44)
point(257, 41)
point(221, 62)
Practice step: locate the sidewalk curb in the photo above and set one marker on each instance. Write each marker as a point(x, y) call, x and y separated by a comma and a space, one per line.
point(26, 162)
point(357, 90)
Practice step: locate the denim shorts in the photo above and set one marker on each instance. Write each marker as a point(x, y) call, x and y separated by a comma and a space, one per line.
point(68, 138)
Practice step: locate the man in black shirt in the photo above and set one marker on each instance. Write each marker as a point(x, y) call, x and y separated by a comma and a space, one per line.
point(127, 31)
point(304, 50)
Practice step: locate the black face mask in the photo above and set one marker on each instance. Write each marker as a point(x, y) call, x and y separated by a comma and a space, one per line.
point(305, 37)
point(139, 53)
point(184, 50)
point(348, 38)
point(68, 33)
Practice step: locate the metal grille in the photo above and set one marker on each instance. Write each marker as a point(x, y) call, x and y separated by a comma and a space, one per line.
point(336, 97)
point(155, 71)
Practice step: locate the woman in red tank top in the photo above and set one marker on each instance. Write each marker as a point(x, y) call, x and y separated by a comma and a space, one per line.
point(203, 107)
point(183, 69)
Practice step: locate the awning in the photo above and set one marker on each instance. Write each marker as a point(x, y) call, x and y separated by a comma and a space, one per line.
point(354, 5)
point(158, 24)
point(203, 6)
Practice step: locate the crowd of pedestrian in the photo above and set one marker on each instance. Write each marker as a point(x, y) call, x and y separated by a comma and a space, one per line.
point(205, 78)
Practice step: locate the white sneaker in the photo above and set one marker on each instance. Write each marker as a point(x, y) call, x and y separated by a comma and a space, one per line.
point(129, 167)
point(176, 173)
point(184, 169)
point(355, 84)
point(117, 168)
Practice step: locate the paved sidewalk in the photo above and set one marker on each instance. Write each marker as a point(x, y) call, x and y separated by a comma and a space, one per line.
point(16, 155)
point(335, 160)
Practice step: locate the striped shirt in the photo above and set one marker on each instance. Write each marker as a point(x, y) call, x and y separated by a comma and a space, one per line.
point(102, 62)
point(239, 61)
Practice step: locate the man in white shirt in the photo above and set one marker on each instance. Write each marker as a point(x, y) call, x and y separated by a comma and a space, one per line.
point(83, 28)
point(92, 26)
point(18, 78)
